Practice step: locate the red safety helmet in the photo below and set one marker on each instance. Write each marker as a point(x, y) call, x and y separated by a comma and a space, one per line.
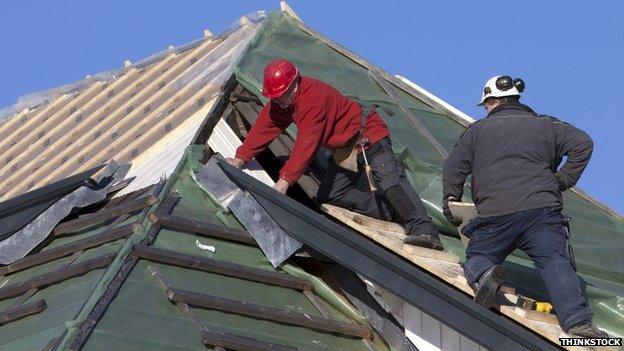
point(278, 76)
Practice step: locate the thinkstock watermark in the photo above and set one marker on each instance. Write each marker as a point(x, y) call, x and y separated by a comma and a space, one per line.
point(590, 341)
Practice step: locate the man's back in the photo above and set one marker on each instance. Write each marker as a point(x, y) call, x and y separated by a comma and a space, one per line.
point(514, 162)
point(513, 156)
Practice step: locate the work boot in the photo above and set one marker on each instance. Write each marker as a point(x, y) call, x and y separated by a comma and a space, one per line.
point(424, 240)
point(587, 330)
point(487, 286)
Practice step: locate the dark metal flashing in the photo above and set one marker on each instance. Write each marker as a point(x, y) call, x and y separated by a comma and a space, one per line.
point(383, 322)
point(415, 286)
point(16, 212)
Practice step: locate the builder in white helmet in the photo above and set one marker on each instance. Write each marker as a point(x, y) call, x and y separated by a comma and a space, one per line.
point(513, 156)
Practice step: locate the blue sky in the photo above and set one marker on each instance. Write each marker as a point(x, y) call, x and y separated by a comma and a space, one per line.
point(570, 53)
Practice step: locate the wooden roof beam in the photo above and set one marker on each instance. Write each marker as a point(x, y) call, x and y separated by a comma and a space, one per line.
point(128, 129)
point(52, 130)
point(134, 107)
point(38, 129)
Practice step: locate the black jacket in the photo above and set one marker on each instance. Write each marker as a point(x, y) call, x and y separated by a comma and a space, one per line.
point(513, 155)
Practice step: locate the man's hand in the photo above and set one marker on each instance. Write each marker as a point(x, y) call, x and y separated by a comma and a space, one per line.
point(447, 212)
point(236, 162)
point(281, 186)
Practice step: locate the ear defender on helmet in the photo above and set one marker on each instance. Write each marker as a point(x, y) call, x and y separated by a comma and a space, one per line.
point(504, 83)
point(519, 84)
point(501, 86)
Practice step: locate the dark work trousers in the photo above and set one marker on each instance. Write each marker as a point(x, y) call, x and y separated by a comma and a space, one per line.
point(396, 199)
point(540, 233)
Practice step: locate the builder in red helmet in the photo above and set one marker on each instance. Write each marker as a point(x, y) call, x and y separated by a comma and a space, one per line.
point(326, 118)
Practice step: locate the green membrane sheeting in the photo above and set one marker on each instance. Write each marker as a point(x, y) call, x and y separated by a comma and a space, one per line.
point(597, 236)
point(64, 300)
point(142, 318)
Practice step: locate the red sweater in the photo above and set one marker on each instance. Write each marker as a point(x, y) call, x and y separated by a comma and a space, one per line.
point(323, 116)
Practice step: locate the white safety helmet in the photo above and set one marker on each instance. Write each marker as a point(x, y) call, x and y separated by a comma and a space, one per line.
point(501, 86)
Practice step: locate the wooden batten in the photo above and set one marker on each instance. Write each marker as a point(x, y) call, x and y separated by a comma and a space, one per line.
point(129, 129)
point(218, 341)
point(220, 267)
point(70, 248)
point(203, 229)
point(16, 313)
point(56, 276)
point(253, 310)
point(66, 146)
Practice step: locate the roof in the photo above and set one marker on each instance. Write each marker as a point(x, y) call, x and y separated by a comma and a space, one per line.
point(129, 252)
point(150, 243)
point(597, 232)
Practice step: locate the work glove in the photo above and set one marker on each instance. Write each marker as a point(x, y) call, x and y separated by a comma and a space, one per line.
point(447, 211)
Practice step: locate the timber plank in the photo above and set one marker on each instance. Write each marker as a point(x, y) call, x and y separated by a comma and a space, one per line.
point(392, 240)
point(452, 273)
point(62, 122)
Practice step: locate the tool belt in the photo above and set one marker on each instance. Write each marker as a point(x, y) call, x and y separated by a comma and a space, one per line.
point(346, 156)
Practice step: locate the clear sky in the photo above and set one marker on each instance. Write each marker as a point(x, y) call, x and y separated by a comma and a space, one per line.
point(570, 53)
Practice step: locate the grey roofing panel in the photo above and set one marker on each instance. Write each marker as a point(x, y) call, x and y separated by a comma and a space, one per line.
point(16, 212)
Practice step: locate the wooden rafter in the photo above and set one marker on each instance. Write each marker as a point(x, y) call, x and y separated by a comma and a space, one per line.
point(148, 101)
point(11, 123)
point(54, 129)
point(39, 114)
point(124, 150)
point(38, 129)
